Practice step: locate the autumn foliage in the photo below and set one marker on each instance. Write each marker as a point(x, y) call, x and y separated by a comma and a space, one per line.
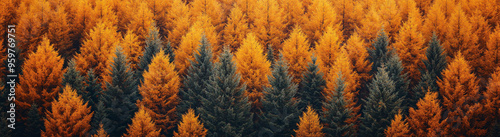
point(309, 125)
point(142, 126)
point(190, 126)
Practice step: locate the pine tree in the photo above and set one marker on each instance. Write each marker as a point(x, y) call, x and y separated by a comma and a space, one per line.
point(337, 112)
point(251, 63)
point(279, 107)
point(382, 104)
point(426, 119)
point(309, 125)
point(269, 23)
point(93, 89)
point(398, 127)
point(394, 67)
point(69, 116)
point(101, 132)
point(197, 77)
point(380, 53)
point(34, 124)
point(311, 87)
point(226, 110)
point(235, 29)
point(320, 16)
point(270, 54)
point(153, 46)
point(120, 96)
point(190, 126)
point(296, 52)
point(73, 78)
point(142, 125)
point(159, 92)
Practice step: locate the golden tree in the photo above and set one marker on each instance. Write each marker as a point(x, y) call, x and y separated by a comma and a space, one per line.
point(101, 132)
point(254, 68)
point(321, 15)
point(296, 52)
point(177, 22)
point(247, 8)
point(269, 24)
point(41, 78)
point(491, 58)
point(141, 21)
point(294, 13)
point(142, 125)
point(59, 33)
point(492, 96)
point(309, 125)
point(236, 28)
point(425, 119)
point(210, 8)
point(159, 8)
point(33, 24)
point(358, 55)
point(159, 91)
point(382, 14)
point(103, 13)
point(328, 48)
point(82, 21)
point(190, 126)
point(434, 22)
point(398, 127)
point(349, 13)
point(69, 116)
point(132, 49)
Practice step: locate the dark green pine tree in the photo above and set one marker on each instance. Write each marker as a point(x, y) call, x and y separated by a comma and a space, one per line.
point(120, 96)
point(435, 63)
point(93, 89)
point(153, 45)
point(99, 117)
point(226, 110)
point(73, 78)
point(33, 124)
point(311, 87)
point(381, 105)
point(270, 54)
point(394, 68)
point(169, 51)
point(336, 113)
point(196, 80)
point(280, 112)
point(380, 52)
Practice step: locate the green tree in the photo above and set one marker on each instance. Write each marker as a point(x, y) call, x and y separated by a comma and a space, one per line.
point(226, 110)
point(196, 80)
point(394, 68)
point(381, 105)
point(311, 87)
point(34, 124)
point(280, 111)
point(379, 52)
point(73, 78)
point(270, 54)
point(336, 112)
point(153, 45)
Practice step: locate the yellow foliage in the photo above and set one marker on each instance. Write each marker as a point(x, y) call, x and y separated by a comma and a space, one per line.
point(190, 126)
point(269, 24)
point(236, 29)
point(398, 127)
point(142, 125)
point(297, 54)
point(328, 48)
point(309, 125)
point(320, 16)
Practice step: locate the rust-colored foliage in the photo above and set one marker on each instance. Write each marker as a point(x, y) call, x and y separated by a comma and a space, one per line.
point(254, 68)
point(296, 53)
point(177, 22)
point(41, 78)
point(190, 126)
point(320, 16)
point(398, 127)
point(269, 24)
point(159, 91)
point(236, 29)
point(210, 8)
point(59, 34)
point(294, 13)
point(491, 58)
point(358, 55)
point(142, 125)
point(328, 48)
point(69, 116)
point(33, 24)
point(425, 119)
point(381, 14)
point(101, 132)
point(309, 125)
point(141, 21)
point(132, 49)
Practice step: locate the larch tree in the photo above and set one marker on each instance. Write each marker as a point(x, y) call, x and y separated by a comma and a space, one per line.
point(159, 92)
point(382, 104)
point(196, 79)
point(142, 125)
point(320, 16)
point(236, 28)
point(398, 127)
point(190, 126)
point(491, 58)
point(177, 22)
point(269, 24)
point(336, 111)
point(226, 110)
point(82, 21)
point(247, 7)
point(434, 22)
point(460, 92)
point(69, 116)
point(491, 101)
point(254, 68)
point(296, 53)
point(154, 44)
point(120, 96)
point(101, 132)
point(210, 8)
point(40, 82)
point(33, 24)
point(425, 119)
point(309, 125)
point(381, 15)
point(328, 48)
point(349, 13)
point(159, 8)
point(104, 13)
point(358, 55)
point(59, 33)
point(141, 21)
point(311, 86)
point(279, 110)
point(294, 13)
point(132, 49)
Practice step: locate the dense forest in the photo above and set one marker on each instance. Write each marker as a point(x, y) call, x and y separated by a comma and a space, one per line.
point(234, 68)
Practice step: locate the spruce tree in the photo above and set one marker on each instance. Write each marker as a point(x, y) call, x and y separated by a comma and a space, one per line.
point(73, 78)
point(394, 68)
point(153, 46)
point(196, 80)
point(380, 52)
point(336, 112)
point(435, 63)
point(226, 110)
point(270, 54)
point(93, 89)
point(120, 96)
point(33, 124)
point(169, 51)
point(381, 105)
point(280, 112)
point(311, 87)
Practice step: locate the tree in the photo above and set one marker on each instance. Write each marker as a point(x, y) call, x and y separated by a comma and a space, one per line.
point(132, 49)
point(142, 125)
point(460, 92)
point(101, 132)
point(177, 22)
point(96, 50)
point(337, 112)
point(159, 8)
point(395, 69)
point(382, 104)
point(349, 14)
point(434, 22)
point(328, 48)
point(93, 94)
point(153, 46)
point(69, 116)
point(320, 16)
point(358, 56)
point(270, 54)
point(190, 126)
point(211, 8)
point(73, 79)
point(226, 110)
point(159, 92)
point(380, 15)
point(120, 95)
point(81, 21)
point(269, 23)
point(236, 29)
point(279, 106)
point(491, 101)
point(39, 83)
point(398, 127)
point(33, 24)
point(294, 13)
point(491, 58)
point(309, 125)
point(311, 87)
point(59, 32)
point(380, 52)
point(34, 123)
point(141, 21)
point(196, 79)
point(296, 52)
point(251, 63)
point(424, 120)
